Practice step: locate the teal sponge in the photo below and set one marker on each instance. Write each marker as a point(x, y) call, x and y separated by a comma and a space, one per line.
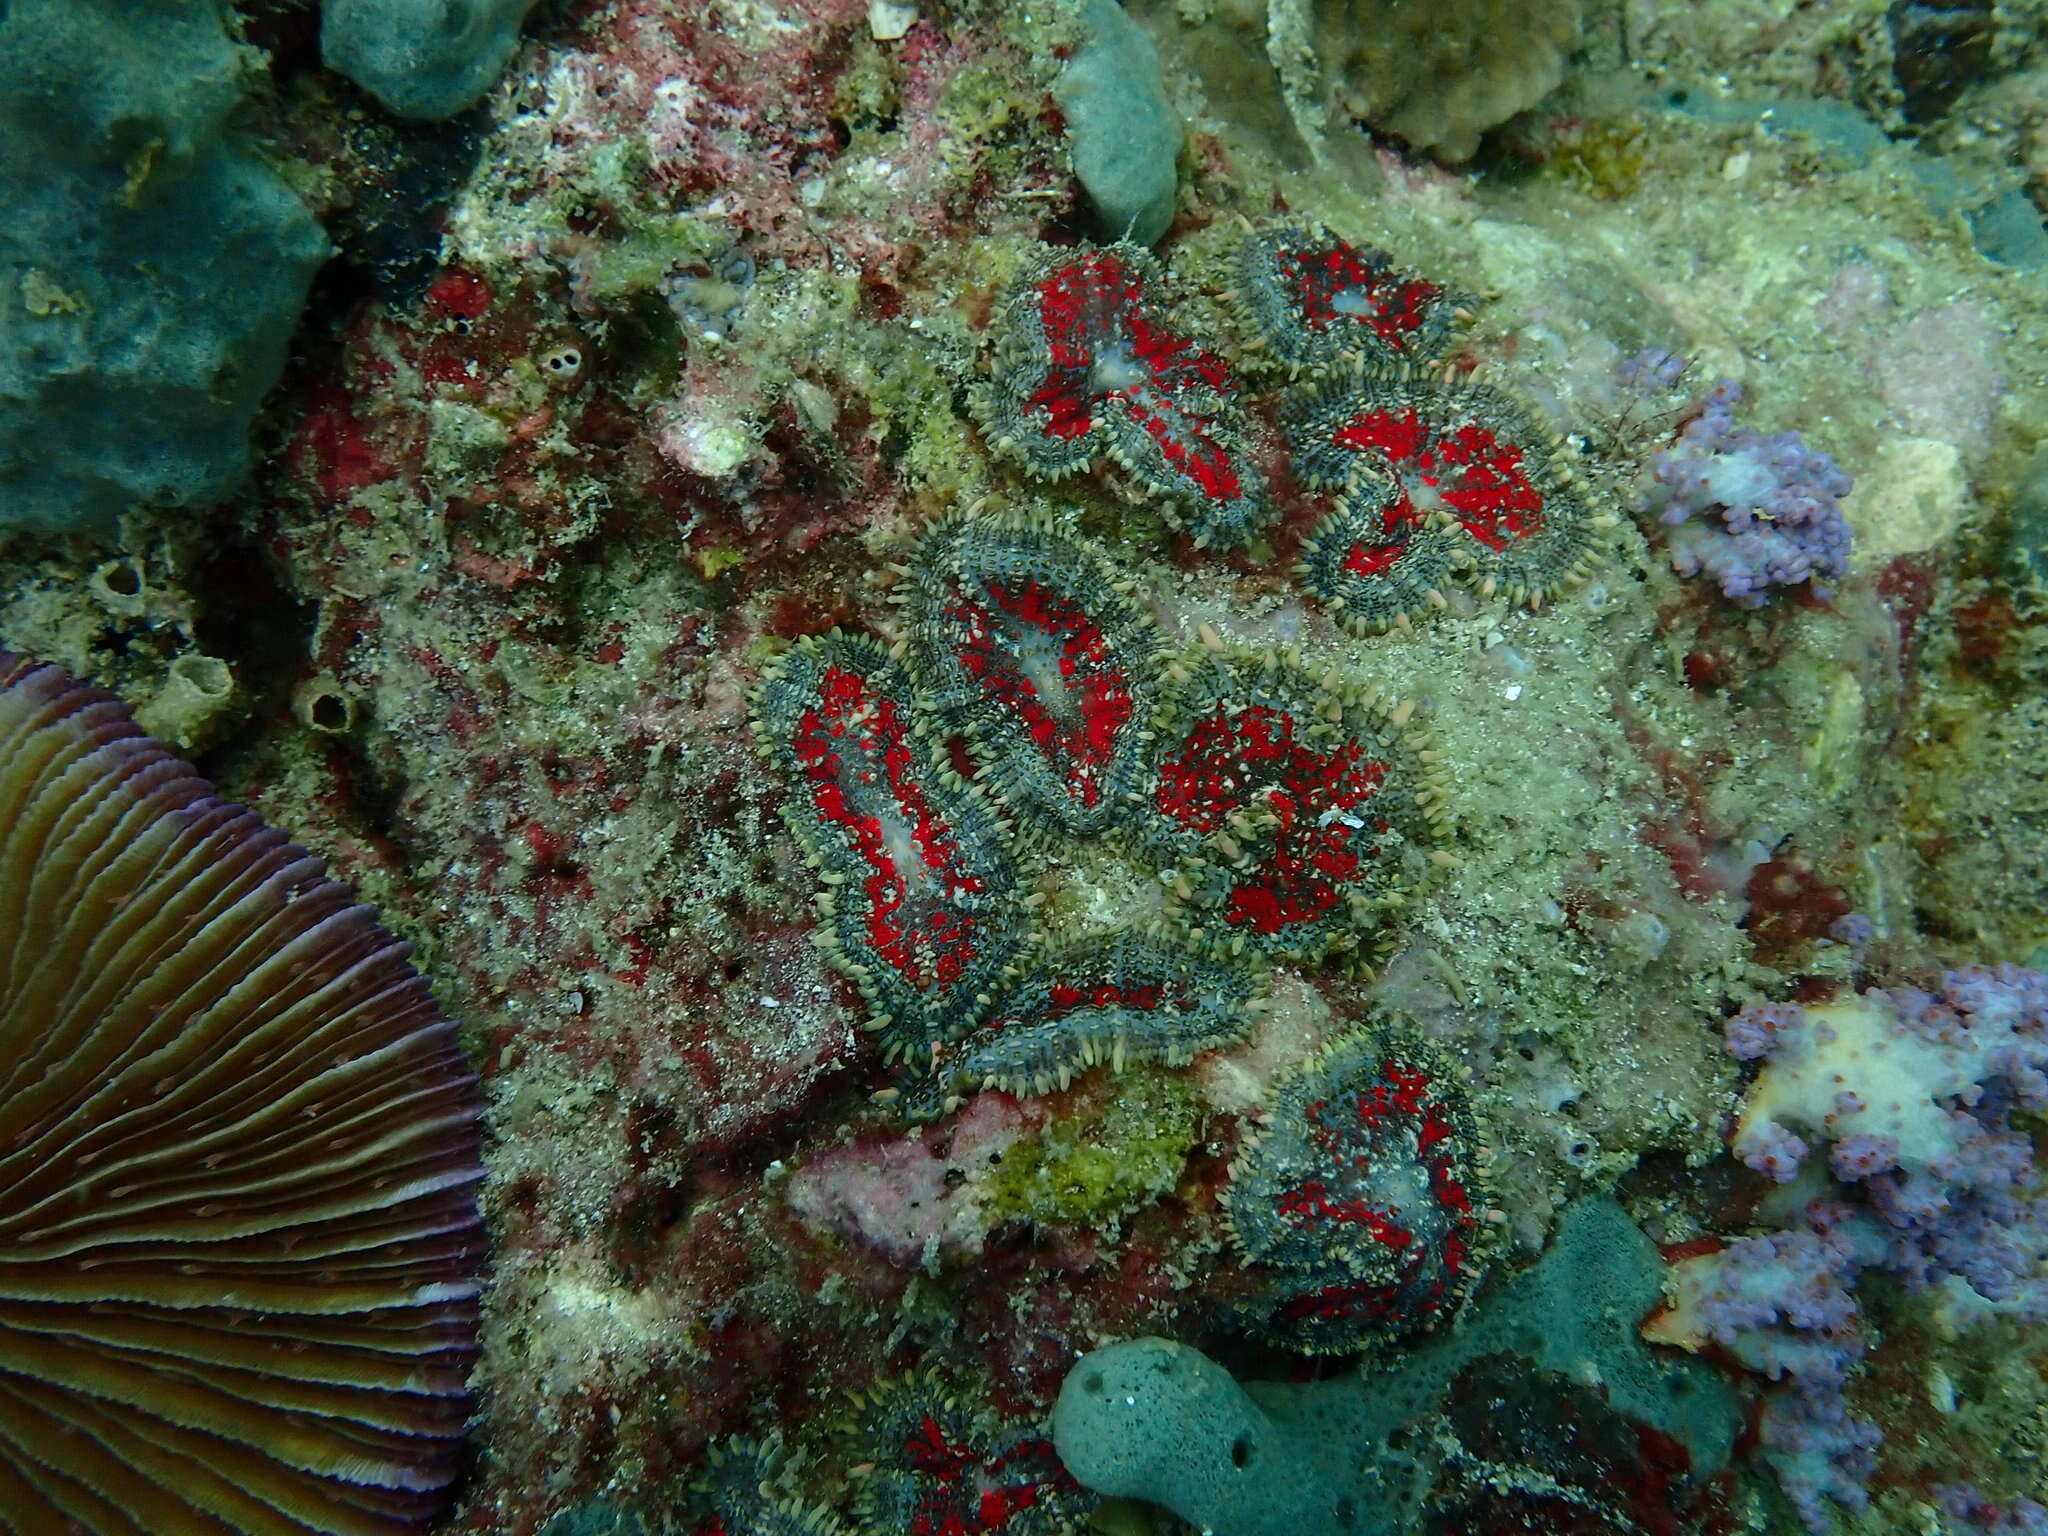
point(1155, 1420)
point(1152, 1419)
point(422, 58)
point(1122, 133)
point(151, 266)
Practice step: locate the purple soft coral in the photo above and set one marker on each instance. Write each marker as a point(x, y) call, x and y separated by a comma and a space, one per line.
point(1969, 1513)
point(1910, 1094)
point(1781, 1305)
point(1652, 368)
point(1752, 512)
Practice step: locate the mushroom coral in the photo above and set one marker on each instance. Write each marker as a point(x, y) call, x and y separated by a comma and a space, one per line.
point(239, 1155)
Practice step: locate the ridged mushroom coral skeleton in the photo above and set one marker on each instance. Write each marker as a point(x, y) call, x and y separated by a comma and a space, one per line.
point(239, 1151)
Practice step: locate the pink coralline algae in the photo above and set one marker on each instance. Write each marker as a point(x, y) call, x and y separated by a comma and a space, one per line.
point(1940, 371)
point(920, 900)
point(1313, 300)
point(1436, 480)
point(1020, 636)
point(944, 1466)
point(1087, 364)
point(917, 1198)
point(1366, 1191)
point(1288, 809)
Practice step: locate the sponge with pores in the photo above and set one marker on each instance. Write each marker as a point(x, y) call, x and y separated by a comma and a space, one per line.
point(1155, 1420)
point(422, 58)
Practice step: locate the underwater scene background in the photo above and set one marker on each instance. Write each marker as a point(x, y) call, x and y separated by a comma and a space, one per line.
point(937, 767)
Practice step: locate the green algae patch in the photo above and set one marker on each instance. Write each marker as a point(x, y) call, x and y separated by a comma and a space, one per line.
point(870, 91)
point(715, 561)
point(1089, 1169)
point(983, 103)
point(1605, 159)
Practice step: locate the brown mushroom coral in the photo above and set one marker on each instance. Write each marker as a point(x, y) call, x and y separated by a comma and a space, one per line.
point(239, 1152)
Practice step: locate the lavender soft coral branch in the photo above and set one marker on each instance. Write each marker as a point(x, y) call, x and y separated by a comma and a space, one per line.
point(1783, 1306)
point(1650, 369)
point(1751, 512)
point(1910, 1093)
point(1913, 1091)
point(1969, 1513)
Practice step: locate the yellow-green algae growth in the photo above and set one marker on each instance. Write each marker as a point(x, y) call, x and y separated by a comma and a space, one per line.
point(1089, 1172)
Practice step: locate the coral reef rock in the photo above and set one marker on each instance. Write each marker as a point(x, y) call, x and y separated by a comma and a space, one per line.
point(1434, 76)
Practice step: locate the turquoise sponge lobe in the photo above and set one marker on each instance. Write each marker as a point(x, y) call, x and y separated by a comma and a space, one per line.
point(151, 265)
point(1155, 1420)
point(1358, 1454)
point(422, 58)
